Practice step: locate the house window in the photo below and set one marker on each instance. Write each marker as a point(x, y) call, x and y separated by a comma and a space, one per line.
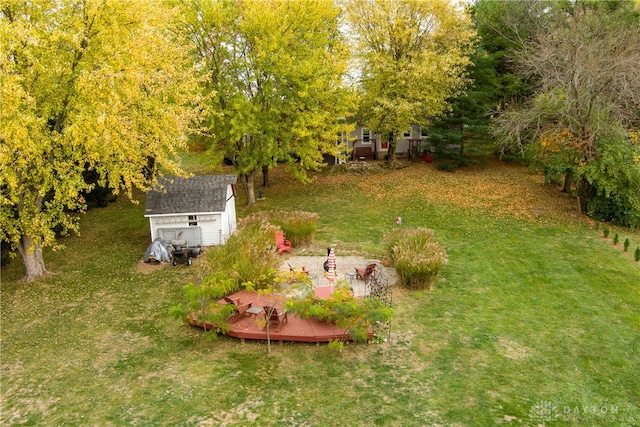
point(407, 133)
point(366, 135)
point(423, 133)
point(193, 221)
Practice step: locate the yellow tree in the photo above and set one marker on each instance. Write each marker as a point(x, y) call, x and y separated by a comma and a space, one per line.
point(85, 85)
point(413, 56)
point(277, 69)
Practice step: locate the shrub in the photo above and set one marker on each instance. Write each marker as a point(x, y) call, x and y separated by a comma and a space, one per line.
point(354, 315)
point(249, 256)
point(614, 181)
point(626, 244)
point(202, 302)
point(616, 239)
point(605, 232)
point(416, 256)
point(299, 227)
point(636, 254)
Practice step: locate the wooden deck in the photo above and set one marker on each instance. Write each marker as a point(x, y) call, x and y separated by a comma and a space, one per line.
point(295, 329)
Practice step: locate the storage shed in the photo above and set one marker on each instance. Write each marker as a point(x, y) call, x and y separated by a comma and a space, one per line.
point(200, 210)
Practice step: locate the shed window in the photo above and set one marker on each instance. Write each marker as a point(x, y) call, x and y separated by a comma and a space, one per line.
point(193, 221)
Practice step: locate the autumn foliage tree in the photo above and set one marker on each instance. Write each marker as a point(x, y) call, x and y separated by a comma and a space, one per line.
point(274, 70)
point(580, 124)
point(412, 56)
point(89, 85)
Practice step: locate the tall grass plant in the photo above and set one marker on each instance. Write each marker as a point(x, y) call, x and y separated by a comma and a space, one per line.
point(416, 256)
point(249, 257)
point(299, 227)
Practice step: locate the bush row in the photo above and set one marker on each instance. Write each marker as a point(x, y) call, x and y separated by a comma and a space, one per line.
point(616, 239)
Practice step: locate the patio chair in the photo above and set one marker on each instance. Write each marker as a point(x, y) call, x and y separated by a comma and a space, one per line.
point(272, 315)
point(365, 273)
point(283, 244)
point(240, 309)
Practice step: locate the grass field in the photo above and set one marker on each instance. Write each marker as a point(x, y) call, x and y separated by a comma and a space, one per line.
point(534, 321)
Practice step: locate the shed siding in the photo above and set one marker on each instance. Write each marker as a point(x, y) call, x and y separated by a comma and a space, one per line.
point(177, 220)
point(213, 232)
point(211, 229)
point(192, 235)
point(229, 223)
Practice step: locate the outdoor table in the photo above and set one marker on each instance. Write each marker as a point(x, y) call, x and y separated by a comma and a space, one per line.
point(255, 310)
point(349, 275)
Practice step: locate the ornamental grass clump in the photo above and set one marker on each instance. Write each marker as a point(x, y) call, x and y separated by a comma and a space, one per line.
point(298, 226)
point(249, 256)
point(416, 256)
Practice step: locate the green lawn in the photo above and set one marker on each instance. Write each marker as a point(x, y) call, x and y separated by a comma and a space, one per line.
point(535, 311)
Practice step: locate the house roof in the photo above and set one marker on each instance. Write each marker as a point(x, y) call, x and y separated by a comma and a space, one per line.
point(198, 194)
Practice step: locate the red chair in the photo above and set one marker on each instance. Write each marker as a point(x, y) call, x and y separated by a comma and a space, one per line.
point(272, 316)
point(240, 309)
point(364, 273)
point(283, 244)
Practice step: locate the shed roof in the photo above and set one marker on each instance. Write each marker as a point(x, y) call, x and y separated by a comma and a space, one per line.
point(198, 194)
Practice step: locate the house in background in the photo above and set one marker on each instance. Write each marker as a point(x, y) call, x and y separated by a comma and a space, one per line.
point(200, 210)
point(367, 144)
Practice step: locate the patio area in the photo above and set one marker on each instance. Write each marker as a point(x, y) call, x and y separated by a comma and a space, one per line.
point(345, 271)
point(250, 325)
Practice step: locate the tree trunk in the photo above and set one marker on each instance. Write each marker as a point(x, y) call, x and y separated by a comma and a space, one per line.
point(265, 176)
point(267, 329)
point(568, 181)
point(391, 153)
point(584, 194)
point(247, 183)
point(461, 141)
point(31, 254)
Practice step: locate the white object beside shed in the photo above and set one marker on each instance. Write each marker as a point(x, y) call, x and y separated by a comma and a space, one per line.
point(201, 210)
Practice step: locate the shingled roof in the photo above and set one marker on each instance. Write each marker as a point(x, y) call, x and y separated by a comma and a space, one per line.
point(195, 195)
